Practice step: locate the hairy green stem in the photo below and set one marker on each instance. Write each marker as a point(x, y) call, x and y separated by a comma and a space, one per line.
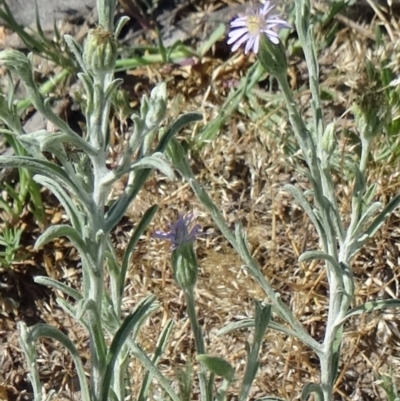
point(199, 341)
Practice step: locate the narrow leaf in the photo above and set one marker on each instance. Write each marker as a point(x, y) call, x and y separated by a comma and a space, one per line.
point(57, 285)
point(118, 209)
point(65, 200)
point(63, 230)
point(249, 323)
point(181, 122)
point(218, 366)
point(320, 255)
point(214, 37)
point(368, 213)
point(262, 320)
point(112, 87)
point(43, 167)
point(302, 201)
point(45, 330)
point(139, 230)
point(67, 308)
point(119, 340)
point(375, 225)
point(312, 388)
point(161, 344)
point(155, 161)
point(373, 306)
point(147, 364)
point(242, 324)
point(87, 312)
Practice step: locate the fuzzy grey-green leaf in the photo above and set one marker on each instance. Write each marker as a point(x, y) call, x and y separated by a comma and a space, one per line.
point(219, 366)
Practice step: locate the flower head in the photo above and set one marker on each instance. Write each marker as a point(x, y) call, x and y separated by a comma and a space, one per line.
point(183, 258)
point(100, 51)
point(179, 233)
point(249, 27)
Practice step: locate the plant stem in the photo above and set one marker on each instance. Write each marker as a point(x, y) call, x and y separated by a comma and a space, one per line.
point(47, 87)
point(199, 341)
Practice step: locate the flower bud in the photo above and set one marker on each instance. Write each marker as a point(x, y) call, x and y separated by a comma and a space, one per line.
point(328, 139)
point(184, 265)
point(100, 51)
point(184, 262)
point(370, 113)
point(272, 56)
point(157, 106)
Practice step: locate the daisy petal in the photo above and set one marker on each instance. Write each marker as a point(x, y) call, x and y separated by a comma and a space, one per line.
point(238, 22)
point(256, 44)
point(249, 45)
point(266, 9)
point(237, 33)
point(239, 39)
point(246, 29)
point(272, 36)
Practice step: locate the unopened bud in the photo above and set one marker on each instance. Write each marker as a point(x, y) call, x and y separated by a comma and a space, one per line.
point(157, 106)
point(328, 139)
point(370, 113)
point(184, 265)
point(272, 56)
point(100, 51)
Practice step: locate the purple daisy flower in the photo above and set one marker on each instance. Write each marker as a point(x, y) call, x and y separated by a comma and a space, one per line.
point(249, 27)
point(179, 233)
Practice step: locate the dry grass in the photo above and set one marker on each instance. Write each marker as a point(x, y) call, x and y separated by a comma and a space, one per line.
point(244, 170)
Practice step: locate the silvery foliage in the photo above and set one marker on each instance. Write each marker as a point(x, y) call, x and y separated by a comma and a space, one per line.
point(82, 185)
point(338, 241)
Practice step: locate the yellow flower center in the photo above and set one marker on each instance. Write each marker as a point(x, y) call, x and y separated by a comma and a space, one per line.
point(254, 24)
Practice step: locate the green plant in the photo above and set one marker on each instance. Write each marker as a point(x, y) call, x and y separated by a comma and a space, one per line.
point(37, 42)
point(82, 186)
point(9, 245)
point(388, 385)
point(339, 241)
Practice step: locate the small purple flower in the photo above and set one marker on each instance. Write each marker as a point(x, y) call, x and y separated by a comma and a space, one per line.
point(249, 27)
point(179, 233)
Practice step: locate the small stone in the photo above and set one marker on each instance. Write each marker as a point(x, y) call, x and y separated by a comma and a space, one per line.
point(24, 11)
